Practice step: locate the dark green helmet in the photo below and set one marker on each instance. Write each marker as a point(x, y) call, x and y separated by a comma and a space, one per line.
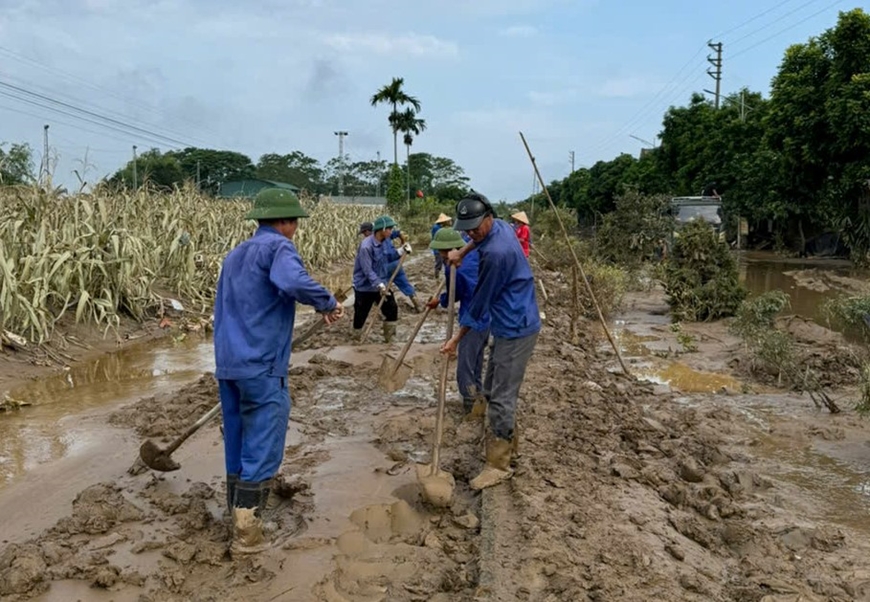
point(446, 239)
point(276, 203)
point(384, 222)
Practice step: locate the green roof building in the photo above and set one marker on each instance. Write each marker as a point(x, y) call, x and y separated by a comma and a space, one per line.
point(249, 187)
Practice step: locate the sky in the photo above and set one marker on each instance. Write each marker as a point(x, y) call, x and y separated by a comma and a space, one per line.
point(584, 76)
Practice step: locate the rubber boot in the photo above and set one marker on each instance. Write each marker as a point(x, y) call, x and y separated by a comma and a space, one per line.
point(389, 331)
point(515, 445)
point(232, 481)
point(498, 464)
point(249, 536)
point(416, 304)
point(357, 335)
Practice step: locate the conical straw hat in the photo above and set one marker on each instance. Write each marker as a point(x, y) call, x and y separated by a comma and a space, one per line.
point(521, 217)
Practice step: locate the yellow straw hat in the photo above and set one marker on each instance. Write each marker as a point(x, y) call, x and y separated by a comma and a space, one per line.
point(443, 218)
point(521, 217)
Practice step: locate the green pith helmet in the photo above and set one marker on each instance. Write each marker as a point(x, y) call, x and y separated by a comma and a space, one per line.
point(276, 203)
point(446, 239)
point(384, 222)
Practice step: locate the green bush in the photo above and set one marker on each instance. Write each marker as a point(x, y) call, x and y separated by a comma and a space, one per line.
point(636, 230)
point(700, 276)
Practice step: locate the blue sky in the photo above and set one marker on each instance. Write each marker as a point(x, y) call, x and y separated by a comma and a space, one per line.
point(276, 76)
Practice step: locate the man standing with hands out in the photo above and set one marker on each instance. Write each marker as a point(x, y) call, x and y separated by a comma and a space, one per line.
point(506, 292)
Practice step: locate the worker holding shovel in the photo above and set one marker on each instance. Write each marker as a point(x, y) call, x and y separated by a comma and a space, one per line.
point(370, 279)
point(506, 292)
point(261, 281)
point(393, 255)
point(469, 364)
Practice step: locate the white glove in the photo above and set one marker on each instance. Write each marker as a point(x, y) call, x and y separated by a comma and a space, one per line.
point(407, 247)
point(382, 289)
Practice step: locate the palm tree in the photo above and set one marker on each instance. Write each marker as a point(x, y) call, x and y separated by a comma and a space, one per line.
point(393, 95)
point(408, 123)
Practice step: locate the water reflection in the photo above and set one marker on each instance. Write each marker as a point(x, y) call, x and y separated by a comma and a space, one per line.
point(56, 424)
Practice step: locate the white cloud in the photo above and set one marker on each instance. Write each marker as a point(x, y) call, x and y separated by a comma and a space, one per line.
point(519, 31)
point(411, 44)
point(626, 87)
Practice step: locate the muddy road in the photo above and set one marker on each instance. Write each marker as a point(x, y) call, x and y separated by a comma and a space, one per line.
point(689, 484)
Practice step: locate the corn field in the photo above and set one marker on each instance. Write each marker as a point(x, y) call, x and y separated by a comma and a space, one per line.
point(103, 255)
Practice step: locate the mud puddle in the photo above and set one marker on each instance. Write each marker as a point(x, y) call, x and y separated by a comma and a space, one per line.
point(60, 422)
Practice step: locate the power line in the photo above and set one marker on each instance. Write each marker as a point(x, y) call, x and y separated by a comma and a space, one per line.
point(80, 102)
point(103, 120)
point(782, 31)
point(102, 89)
point(778, 20)
point(751, 19)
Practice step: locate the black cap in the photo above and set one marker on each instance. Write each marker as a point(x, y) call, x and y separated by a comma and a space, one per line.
point(471, 210)
point(366, 227)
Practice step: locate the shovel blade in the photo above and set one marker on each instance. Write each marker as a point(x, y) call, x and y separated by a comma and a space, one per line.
point(157, 459)
point(436, 485)
point(392, 378)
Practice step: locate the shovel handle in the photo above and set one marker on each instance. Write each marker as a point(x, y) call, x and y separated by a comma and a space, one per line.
point(445, 368)
point(417, 328)
point(193, 428)
point(368, 328)
point(215, 410)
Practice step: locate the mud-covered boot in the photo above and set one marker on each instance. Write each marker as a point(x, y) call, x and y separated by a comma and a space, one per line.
point(498, 464)
point(416, 304)
point(357, 335)
point(515, 445)
point(389, 332)
point(249, 535)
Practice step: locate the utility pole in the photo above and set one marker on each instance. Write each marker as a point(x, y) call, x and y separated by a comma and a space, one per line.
point(716, 71)
point(44, 168)
point(135, 175)
point(742, 107)
point(571, 154)
point(197, 176)
point(341, 136)
point(379, 174)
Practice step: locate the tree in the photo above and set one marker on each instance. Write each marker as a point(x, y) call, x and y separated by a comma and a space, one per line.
point(152, 167)
point(410, 125)
point(16, 165)
point(295, 168)
point(438, 176)
point(393, 95)
point(394, 187)
point(211, 167)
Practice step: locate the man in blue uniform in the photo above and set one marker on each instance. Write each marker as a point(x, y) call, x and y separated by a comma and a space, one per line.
point(392, 255)
point(260, 283)
point(442, 221)
point(506, 291)
point(370, 279)
point(469, 361)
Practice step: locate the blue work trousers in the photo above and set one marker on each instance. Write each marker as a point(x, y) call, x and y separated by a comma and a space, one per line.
point(401, 281)
point(255, 414)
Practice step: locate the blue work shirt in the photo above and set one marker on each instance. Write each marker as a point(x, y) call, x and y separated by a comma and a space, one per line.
point(433, 232)
point(505, 285)
point(370, 265)
point(261, 280)
point(466, 282)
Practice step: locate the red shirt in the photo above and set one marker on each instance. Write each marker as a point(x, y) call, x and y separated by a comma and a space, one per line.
point(523, 235)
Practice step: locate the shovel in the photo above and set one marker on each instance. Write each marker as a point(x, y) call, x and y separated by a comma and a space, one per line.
point(368, 327)
point(437, 485)
point(394, 375)
point(157, 458)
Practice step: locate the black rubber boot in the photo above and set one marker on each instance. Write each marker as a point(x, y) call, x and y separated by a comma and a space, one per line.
point(249, 536)
point(232, 481)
